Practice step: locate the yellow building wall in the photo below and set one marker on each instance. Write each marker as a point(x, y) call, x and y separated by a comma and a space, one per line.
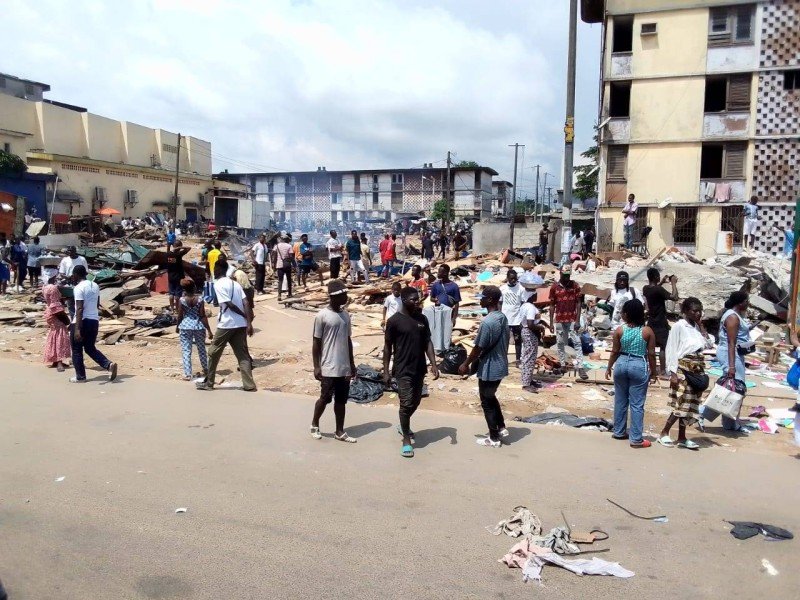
point(16, 116)
point(199, 153)
point(667, 109)
point(624, 7)
point(660, 171)
point(62, 130)
point(105, 138)
point(140, 143)
point(678, 47)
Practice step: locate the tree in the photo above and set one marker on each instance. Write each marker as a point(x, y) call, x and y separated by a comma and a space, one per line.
point(467, 164)
point(11, 163)
point(587, 175)
point(442, 211)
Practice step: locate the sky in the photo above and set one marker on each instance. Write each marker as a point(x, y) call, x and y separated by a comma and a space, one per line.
point(345, 84)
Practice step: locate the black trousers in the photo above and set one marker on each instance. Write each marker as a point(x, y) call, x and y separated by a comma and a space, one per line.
point(261, 271)
point(516, 333)
point(335, 389)
point(409, 392)
point(336, 266)
point(287, 273)
point(487, 390)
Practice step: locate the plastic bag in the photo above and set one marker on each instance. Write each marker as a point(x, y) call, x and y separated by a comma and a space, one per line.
point(793, 376)
point(726, 398)
point(454, 357)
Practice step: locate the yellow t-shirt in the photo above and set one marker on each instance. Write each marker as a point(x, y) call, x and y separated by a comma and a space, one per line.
point(213, 256)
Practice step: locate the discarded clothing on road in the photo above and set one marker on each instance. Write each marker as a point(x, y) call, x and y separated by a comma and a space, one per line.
point(567, 419)
point(579, 566)
point(522, 522)
point(558, 540)
point(159, 322)
point(744, 530)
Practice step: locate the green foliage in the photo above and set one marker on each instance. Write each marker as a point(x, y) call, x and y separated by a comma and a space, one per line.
point(587, 176)
point(442, 211)
point(467, 164)
point(11, 163)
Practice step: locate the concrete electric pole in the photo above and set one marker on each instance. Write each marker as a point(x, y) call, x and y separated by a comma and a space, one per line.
point(174, 211)
point(536, 206)
point(569, 133)
point(448, 203)
point(514, 194)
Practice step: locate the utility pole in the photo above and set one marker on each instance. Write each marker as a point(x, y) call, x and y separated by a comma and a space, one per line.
point(536, 206)
point(448, 201)
point(174, 211)
point(569, 133)
point(514, 194)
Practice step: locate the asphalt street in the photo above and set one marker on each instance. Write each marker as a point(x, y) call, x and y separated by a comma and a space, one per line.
point(272, 513)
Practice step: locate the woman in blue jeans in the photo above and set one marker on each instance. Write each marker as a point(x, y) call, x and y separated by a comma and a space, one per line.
point(633, 358)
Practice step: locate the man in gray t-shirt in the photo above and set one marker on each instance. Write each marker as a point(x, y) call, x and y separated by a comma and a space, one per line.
point(332, 354)
point(491, 352)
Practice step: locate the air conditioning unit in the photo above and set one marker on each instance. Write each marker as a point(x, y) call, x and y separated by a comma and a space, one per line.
point(201, 199)
point(131, 198)
point(100, 196)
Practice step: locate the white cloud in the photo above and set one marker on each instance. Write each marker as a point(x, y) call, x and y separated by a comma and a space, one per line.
point(293, 85)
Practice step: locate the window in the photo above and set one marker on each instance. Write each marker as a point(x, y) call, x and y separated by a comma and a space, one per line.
point(169, 148)
point(733, 220)
point(685, 230)
point(619, 102)
point(397, 200)
point(649, 28)
point(623, 35)
point(397, 178)
point(335, 197)
point(641, 223)
point(375, 198)
point(723, 161)
point(617, 162)
point(731, 24)
point(791, 80)
point(730, 93)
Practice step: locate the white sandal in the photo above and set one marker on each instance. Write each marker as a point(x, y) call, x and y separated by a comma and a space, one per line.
point(345, 438)
point(666, 441)
point(315, 433)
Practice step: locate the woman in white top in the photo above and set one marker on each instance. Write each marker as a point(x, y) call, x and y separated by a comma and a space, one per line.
point(621, 294)
point(686, 370)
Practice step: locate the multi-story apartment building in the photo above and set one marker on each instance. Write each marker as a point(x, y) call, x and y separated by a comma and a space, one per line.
point(699, 109)
point(363, 194)
point(101, 162)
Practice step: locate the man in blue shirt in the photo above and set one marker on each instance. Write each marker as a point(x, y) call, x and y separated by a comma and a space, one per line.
point(171, 237)
point(491, 352)
point(445, 292)
point(353, 247)
point(750, 223)
point(307, 263)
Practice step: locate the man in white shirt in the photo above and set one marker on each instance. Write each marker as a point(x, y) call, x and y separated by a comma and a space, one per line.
point(85, 324)
point(750, 223)
point(233, 326)
point(629, 210)
point(513, 296)
point(69, 262)
point(260, 262)
point(334, 254)
point(392, 304)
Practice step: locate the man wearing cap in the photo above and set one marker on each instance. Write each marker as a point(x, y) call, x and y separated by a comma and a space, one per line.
point(408, 339)
point(565, 309)
point(282, 263)
point(491, 352)
point(334, 366)
point(354, 257)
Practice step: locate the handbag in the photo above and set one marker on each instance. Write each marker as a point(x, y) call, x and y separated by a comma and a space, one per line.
point(726, 398)
point(699, 382)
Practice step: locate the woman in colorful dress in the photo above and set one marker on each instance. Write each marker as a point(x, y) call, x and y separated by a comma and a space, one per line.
point(57, 346)
point(687, 375)
point(192, 327)
point(532, 328)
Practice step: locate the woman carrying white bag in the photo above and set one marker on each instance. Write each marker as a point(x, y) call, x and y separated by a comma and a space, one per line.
point(734, 345)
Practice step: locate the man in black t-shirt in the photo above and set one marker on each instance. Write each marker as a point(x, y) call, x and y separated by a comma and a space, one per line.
point(408, 339)
point(175, 273)
point(656, 297)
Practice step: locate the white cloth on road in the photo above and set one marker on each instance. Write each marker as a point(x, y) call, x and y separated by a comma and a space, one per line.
point(522, 522)
point(579, 566)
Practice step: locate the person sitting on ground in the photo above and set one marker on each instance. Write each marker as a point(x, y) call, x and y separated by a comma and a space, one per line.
point(392, 303)
point(633, 360)
point(332, 355)
point(656, 297)
point(687, 374)
point(418, 282)
point(192, 327)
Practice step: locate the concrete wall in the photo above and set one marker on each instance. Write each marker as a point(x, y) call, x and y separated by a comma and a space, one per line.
point(495, 237)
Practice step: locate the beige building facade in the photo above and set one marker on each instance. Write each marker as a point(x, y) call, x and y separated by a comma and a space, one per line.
point(699, 109)
point(101, 162)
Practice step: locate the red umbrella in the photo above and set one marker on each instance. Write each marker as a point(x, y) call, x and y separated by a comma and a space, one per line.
point(107, 212)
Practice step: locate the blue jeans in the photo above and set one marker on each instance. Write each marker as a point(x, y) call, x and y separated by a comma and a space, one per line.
point(628, 235)
point(631, 376)
point(387, 268)
point(89, 329)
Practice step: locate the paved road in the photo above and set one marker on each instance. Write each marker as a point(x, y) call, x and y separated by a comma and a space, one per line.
point(275, 514)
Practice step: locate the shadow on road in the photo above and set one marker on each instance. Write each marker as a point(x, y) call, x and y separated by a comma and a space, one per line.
point(431, 436)
point(516, 434)
point(359, 431)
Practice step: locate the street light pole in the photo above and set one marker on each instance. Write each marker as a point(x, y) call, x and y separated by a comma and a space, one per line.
point(569, 133)
point(514, 195)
